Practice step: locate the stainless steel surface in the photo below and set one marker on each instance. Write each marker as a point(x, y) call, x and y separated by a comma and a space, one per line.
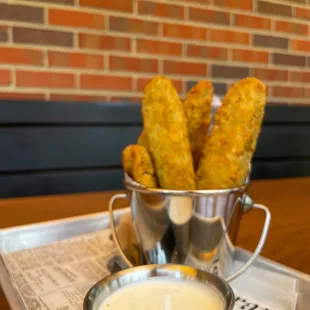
point(45, 233)
point(104, 288)
point(265, 263)
point(134, 186)
point(30, 236)
point(195, 228)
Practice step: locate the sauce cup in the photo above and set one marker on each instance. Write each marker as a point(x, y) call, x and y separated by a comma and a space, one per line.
point(216, 290)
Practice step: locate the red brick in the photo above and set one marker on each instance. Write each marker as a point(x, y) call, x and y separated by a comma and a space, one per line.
point(159, 47)
point(250, 56)
point(287, 91)
point(64, 2)
point(4, 33)
point(5, 77)
point(235, 4)
point(270, 74)
point(161, 9)
point(76, 19)
point(298, 76)
point(289, 60)
point(45, 79)
point(21, 13)
point(228, 36)
point(308, 93)
point(75, 60)
point(209, 16)
point(133, 64)
point(209, 52)
point(141, 83)
point(105, 82)
point(302, 13)
point(289, 27)
point(269, 41)
point(297, 1)
point(122, 5)
point(22, 56)
point(185, 68)
point(104, 42)
point(133, 25)
point(229, 72)
point(42, 36)
point(77, 97)
point(300, 45)
point(252, 22)
point(22, 96)
point(274, 8)
point(184, 32)
point(205, 2)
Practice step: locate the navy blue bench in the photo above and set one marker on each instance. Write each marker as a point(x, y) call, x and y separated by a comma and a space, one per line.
point(58, 147)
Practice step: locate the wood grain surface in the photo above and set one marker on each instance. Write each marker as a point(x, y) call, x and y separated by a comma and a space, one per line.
point(288, 200)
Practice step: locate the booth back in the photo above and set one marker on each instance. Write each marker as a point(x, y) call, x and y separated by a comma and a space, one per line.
point(55, 147)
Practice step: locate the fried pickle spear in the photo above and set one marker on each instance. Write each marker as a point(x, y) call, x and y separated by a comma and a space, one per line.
point(229, 148)
point(166, 129)
point(143, 141)
point(137, 163)
point(197, 108)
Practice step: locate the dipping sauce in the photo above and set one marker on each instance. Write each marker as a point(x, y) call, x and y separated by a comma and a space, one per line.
point(164, 293)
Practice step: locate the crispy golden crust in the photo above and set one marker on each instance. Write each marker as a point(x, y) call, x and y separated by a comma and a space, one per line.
point(166, 129)
point(228, 150)
point(142, 140)
point(138, 165)
point(197, 108)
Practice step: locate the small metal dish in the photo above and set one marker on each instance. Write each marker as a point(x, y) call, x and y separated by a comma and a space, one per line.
point(105, 287)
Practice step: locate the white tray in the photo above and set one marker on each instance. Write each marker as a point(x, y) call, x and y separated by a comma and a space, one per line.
point(35, 235)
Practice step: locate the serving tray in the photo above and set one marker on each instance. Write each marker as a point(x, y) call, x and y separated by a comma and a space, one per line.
point(42, 234)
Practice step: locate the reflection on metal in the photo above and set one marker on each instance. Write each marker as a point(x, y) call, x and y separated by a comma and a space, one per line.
point(195, 228)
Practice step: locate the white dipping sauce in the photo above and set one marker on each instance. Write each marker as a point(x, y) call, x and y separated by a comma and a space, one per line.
point(164, 293)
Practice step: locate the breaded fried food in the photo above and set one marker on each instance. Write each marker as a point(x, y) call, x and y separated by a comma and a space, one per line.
point(137, 163)
point(166, 128)
point(142, 140)
point(229, 148)
point(198, 108)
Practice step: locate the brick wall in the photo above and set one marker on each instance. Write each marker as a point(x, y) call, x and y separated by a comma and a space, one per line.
point(109, 49)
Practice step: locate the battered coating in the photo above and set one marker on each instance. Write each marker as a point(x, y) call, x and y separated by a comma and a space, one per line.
point(198, 108)
point(142, 140)
point(229, 149)
point(166, 129)
point(138, 165)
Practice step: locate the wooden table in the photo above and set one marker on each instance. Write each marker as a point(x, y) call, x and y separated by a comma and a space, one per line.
point(288, 200)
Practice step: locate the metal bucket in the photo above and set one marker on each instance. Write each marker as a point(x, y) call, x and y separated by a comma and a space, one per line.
point(196, 228)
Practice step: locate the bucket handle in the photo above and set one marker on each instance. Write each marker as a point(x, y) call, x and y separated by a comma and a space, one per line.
point(113, 228)
point(247, 206)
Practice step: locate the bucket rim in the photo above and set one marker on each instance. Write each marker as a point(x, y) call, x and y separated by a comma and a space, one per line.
point(130, 184)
